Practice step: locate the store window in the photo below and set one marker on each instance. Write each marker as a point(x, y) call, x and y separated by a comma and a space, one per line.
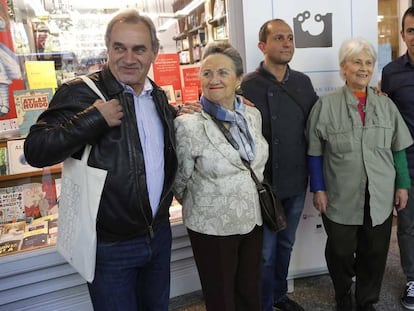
point(388, 32)
point(44, 43)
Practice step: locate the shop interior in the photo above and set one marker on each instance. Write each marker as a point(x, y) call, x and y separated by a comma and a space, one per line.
point(63, 39)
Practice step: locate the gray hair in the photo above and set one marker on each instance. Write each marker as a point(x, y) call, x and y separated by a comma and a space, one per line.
point(228, 50)
point(132, 16)
point(353, 47)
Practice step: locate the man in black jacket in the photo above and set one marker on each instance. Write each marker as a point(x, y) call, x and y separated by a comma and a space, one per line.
point(284, 97)
point(132, 137)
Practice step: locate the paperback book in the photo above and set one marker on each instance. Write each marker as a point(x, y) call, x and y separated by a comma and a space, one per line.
point(29, 105)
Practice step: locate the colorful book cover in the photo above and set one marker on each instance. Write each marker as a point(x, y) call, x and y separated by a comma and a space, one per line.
point(10, 77)
point(11, 204)
point(29, 105)
point(8, 247)
point(4, 163)
point(11, 236)
point(17, 160)
point(35, 202)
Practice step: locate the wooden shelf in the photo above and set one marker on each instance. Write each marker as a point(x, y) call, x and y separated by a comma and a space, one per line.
point(56, 169)
point(219, 20)
point(198, 28)
point(180, 36)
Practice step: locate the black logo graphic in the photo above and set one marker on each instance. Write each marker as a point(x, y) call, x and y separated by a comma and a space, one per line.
point(303, 39)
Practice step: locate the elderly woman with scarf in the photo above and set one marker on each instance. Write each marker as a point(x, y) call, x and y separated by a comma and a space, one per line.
point(221, 208)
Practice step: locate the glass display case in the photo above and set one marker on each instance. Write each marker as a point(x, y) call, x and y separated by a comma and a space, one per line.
point(42, 45)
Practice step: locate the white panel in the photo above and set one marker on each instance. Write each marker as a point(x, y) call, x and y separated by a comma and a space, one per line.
point(350, 18)
point(308, 253)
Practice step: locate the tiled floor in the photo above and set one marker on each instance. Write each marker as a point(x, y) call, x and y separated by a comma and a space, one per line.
point(316, 293)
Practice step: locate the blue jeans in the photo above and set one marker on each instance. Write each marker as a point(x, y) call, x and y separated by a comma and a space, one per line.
point(405, 233)
point(277, 249)
point(134, 274)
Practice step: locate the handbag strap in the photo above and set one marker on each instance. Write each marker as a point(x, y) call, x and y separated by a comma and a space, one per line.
point(235, 145)
point(93, 86)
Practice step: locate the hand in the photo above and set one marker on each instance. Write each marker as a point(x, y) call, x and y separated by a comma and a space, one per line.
point(377, 91)
point(320, 201)
point(190, 107)
point(110, 110)
point(247, 102)
point(400, 199)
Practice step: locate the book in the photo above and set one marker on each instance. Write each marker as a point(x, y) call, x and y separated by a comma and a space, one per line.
point(11, 236)
point(11, 204)
point(11, 80)
point(4, 163)
point(35, 202)
point(9, 128)
point(35, 234)
point(11, 246)
point(30, 103)
point(17, 160)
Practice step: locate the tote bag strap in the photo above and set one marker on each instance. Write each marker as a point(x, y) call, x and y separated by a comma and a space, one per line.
point(93, 86)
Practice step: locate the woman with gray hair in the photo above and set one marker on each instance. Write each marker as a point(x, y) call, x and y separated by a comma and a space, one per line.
point(220, 202)
point(358, 174)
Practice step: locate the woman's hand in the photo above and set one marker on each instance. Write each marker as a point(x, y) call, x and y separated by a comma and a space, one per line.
point(400, 199)
point(320, 201)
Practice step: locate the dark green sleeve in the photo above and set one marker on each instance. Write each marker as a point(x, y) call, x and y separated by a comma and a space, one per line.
point(402, 180)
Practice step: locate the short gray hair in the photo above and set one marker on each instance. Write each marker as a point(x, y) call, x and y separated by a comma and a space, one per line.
point(228, 50)
point(132, 16)
point(353, 47)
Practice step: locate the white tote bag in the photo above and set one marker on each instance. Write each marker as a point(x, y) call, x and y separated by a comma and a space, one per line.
point(78, 208)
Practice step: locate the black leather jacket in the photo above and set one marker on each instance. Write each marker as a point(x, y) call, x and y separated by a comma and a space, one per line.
point(71, 121)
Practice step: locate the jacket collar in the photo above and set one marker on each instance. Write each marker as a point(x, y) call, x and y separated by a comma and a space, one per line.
point(263, 71)
point(112, 86)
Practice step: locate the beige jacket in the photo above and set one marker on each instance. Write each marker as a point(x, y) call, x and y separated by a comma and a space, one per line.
point(218, 194)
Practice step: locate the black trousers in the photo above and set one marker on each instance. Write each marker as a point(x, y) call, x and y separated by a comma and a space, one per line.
point(357, 250)
point(230, 269)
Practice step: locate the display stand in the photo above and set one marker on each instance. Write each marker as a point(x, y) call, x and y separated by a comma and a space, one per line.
point(43, 280)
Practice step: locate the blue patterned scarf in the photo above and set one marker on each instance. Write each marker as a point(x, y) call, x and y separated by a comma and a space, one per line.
point(238, 125)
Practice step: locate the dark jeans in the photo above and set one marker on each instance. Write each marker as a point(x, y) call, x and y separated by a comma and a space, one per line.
point(134, 274)
point(357, 250)
point(405, 233)
point(277, 249)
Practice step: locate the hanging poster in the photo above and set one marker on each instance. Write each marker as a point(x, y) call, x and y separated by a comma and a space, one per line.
point(10, 76)
point(166, 70)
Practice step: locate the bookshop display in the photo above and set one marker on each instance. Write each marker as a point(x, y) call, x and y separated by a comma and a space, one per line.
point(207, 22)
point(43, 45)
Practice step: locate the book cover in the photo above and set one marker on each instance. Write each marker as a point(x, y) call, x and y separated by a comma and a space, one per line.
point(35, 202)
point(34, 239)
point(35, 234)
point(11, 236)
point(51, 224)
point(17, 161)
point(11, 204)
point(4, 163)
point(29, 105)
point(11, 79)
point(8, 247)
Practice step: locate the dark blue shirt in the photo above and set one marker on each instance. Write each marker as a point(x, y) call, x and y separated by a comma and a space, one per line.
point(398, 82)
